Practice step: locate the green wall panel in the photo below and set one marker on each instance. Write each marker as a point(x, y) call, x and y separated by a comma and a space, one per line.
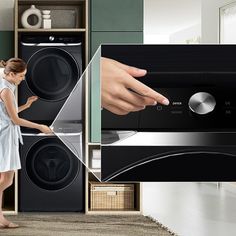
point(6, 44)
point(115, 15)
point(95, 104)
point(115, 22)
point(98, 38)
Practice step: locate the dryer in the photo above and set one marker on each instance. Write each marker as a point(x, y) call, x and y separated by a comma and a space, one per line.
point(54, 66)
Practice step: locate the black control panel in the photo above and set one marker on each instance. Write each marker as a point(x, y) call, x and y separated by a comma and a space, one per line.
point(205, 101)
point(50, 38)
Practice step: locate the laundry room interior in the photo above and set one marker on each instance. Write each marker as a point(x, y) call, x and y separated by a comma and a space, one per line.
point(61, 174)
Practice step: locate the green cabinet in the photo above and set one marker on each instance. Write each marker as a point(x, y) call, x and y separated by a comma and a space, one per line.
point(95, 103)
point(111, 21)
point(98, 38)
point(115, 15)
point(7, 45)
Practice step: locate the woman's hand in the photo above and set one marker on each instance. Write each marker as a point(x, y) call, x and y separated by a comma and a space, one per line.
point(8, 99)
point(121, 93)
point(30, 100)
point(28, 104)
point(45, 129)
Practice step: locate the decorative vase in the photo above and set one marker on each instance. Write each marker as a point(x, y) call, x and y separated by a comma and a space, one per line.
point(31, 12)
point(47, 23)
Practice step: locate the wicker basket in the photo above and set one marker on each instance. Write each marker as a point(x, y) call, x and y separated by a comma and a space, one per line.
point(111, 196)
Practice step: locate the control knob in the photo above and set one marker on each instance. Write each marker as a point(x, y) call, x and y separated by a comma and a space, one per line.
point(202, 103)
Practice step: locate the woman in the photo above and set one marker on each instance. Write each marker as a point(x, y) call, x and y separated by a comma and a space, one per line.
point(14, 71)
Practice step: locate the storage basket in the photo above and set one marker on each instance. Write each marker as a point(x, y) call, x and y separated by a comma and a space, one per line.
point(111, 196)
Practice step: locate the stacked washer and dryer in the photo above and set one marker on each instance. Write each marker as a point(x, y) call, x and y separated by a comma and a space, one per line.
point(52, 177)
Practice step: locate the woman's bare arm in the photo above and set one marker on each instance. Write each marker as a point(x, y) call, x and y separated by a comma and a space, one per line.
point(8, 99)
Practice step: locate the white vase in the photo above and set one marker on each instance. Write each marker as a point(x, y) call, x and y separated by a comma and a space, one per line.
point(29, 12)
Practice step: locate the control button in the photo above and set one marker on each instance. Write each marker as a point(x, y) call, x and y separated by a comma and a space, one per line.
point(177, 103)
point(159, 108)
point(178, 112)
point(202, 103)
point(228, 112)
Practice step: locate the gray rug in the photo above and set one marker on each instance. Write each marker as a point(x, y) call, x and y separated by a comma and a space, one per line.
point(42, 224)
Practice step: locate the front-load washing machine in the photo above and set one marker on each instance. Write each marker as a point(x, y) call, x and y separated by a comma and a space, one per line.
point(52, 177)
point(54, 66)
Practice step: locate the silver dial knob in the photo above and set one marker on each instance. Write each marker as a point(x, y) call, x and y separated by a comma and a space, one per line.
point(51, 38)
point(202, 103)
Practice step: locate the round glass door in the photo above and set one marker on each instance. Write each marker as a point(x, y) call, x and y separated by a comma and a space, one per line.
point(50, 165)
point(52, 73)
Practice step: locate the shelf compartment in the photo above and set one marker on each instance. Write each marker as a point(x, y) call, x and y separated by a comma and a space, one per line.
point(113, 212)
point(51, 2)
point(78, 7)
point(94, 160)
point(8, 204)
point(114, 198)
point(51, 30)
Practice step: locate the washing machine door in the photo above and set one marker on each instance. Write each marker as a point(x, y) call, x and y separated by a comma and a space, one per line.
point(51, 165)
point(52, 73)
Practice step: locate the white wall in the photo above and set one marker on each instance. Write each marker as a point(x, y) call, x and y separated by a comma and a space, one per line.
point(210, 19)
point(6, 15)
point(189, 33)
point(164, 17)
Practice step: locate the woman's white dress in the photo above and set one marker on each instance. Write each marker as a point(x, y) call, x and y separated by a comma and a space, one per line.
point(10, 134)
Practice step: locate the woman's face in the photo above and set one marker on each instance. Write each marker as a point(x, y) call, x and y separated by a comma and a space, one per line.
point(18, 77)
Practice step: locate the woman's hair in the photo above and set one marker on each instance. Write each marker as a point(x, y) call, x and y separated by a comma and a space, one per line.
point(15, 65)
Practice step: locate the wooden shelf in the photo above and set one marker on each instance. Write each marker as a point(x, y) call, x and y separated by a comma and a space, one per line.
point(113, 212)
point(51, 30)
point(136, 210)
point(51, 2)
point(94, 170)
point(79, 7)
point(9, 212)
point(94, 144)
point(10, 198)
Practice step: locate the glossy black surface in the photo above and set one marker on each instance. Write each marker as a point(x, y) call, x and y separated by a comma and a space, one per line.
point(53, 71)
point(168, 163)
point(51, 178)
point(175, 58)
point(178, 72)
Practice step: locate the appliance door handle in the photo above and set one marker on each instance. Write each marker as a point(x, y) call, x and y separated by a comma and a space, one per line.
point(49, 44)
point(38, 134)
point(54, 134)
point(210, 139)
point(110, 137)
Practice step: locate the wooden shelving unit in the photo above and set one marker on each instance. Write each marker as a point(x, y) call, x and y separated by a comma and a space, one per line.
point(82, 28)
point(10, 198)
point(137, 200)
point(51, 30)
point(81, 7)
